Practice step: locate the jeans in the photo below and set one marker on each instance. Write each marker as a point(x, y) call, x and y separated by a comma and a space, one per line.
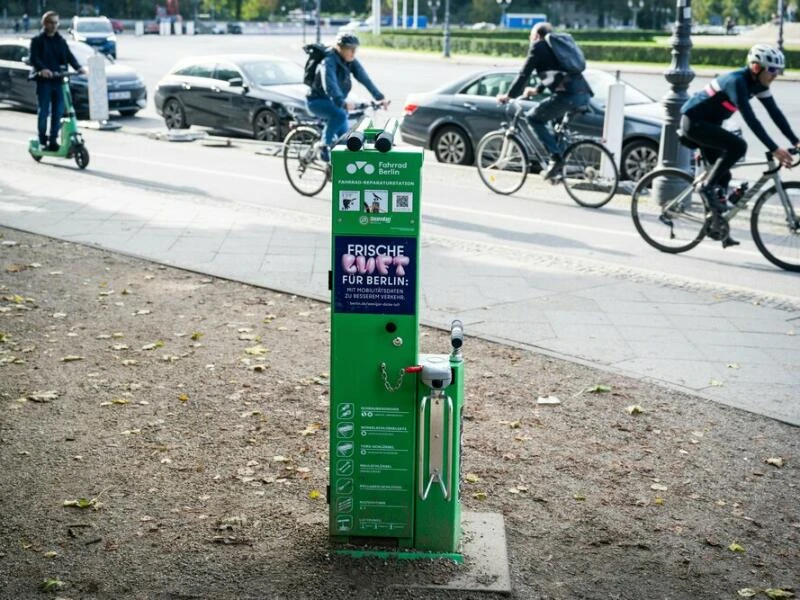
point(715, 141)
point(50, 95)
point(550, 109)
point(335, 117)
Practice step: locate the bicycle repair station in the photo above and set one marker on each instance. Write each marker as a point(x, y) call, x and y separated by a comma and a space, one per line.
point(395, 414)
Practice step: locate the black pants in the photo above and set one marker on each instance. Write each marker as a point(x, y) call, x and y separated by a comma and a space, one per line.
point(715, 141)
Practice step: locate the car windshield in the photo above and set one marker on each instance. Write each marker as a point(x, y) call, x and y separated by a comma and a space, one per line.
point(600, 80)
point(82, 52)
point(270, 72)
point(94, 27)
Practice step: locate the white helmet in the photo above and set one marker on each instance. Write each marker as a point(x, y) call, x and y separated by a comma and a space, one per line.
point(768, 57)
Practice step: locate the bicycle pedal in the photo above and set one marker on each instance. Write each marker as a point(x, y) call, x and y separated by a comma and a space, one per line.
point(728, 242)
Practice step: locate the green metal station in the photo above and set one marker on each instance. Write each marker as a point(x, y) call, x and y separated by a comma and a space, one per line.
point(395, 414)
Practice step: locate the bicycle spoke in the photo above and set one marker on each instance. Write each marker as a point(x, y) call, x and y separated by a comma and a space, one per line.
point(501, 163)
point(306, 172)
point(589, 174)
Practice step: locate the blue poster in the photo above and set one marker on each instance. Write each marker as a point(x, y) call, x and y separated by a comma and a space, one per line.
point(375, 275)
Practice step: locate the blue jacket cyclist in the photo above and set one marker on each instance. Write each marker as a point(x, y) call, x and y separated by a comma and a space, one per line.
point(49, 54)
point(702, 116)
point(328, 95)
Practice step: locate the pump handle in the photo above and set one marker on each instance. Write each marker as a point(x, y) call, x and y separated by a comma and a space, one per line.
point(456, 334)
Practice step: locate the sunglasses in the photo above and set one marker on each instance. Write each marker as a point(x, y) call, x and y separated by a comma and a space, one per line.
point(774, 70)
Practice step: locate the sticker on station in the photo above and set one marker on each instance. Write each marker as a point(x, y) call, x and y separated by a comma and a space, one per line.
point(402, 202)
point(349, 200)
point(376, 201)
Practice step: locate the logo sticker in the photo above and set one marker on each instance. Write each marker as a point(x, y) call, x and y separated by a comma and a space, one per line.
point(360, 165)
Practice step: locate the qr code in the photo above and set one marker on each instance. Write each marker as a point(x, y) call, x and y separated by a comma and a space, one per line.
point(402, 202)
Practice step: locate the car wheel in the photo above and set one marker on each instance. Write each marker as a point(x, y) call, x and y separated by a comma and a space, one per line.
point(451, 145)
point(638, 159)
point(174, 115)
point(128, 113)
point(266, 126)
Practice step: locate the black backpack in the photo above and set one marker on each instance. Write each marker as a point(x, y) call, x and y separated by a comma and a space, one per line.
point(316, 52)
point(569, 56)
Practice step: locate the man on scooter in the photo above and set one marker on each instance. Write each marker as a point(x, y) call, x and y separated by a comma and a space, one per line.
point(49, 54)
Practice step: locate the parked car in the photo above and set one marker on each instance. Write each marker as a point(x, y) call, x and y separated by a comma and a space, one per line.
point(95, 31)
point(257, 95)
point(452, 119)
point(235, 28)
point(127, 93)
point(117, 26)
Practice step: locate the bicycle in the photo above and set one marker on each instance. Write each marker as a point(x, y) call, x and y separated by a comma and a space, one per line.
point(505, 156)
point(681, 221)
point(304, 167)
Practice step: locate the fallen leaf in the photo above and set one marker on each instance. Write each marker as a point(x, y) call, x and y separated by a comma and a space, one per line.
point(196, 335)
point(716, 383)
point(479, 495)
point(658, 500)
point(733, 365)
point(71, 358)
point(257, 350)
point(183, 397)
point(579, 497)
point(634, 409)
point(734, 547)
point(49, 585)
point(43, 396)
point(599, 389)
point(747, 592)
point(659, 487)
point(311, 429)
point(471, 478)
point(775, 461)
point(778, 593)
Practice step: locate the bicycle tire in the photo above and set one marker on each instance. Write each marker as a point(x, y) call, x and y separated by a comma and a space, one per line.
point(673, 226)
point(589, 173)
point(306, 172)
point(502, 174)
point(772, 231)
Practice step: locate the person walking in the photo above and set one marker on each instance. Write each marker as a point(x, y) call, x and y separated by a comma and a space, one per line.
point(570, 91)
point(50, 54)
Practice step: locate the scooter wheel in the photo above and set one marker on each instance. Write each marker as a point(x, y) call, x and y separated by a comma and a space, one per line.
point(81, 157)
point(34, 157)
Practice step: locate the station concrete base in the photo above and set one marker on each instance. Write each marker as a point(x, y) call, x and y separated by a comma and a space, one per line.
point(483, 545)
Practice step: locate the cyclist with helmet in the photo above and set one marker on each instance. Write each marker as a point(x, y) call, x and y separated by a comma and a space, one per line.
point(327, 97)
point(701, 122)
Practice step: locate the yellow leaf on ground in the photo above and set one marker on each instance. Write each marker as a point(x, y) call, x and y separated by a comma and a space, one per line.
point(257, 350)
point(734, 547)
point(635, 409)
point(747, 592)
point(183, 397)
point(71, 358)
point(775, 461)
point(314, 494)
point(471, 478)
point(479, 495)
point(778, 593)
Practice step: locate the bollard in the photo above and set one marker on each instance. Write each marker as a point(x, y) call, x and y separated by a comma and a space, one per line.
point(138, 28)
point(613, 125)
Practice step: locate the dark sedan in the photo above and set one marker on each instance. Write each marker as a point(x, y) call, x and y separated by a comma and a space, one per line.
point(127, 93)
point(256, 95)
point(452, 120)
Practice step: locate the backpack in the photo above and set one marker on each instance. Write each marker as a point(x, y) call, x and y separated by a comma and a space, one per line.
point(316, 52)
point(569, 56)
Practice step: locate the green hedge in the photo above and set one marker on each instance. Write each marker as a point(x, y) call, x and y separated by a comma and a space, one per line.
point(723, 56)
point(589, 35)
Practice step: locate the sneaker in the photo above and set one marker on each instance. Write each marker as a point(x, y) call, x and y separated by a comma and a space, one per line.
point(553, 168)
point(324, 153)
point(43, 141)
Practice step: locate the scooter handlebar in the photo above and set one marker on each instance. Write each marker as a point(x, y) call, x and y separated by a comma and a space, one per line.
point(54, 75)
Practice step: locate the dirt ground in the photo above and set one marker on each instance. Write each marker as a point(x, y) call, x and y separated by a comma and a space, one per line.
point(163, 435)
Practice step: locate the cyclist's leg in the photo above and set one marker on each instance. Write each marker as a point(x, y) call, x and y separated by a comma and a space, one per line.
point(335, 119)
point(540, 116)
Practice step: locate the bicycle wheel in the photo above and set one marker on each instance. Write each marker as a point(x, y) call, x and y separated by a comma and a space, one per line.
point(678, 222)
point(776, 228)
point(589, 173)
point(306, 172)
point(501, 162)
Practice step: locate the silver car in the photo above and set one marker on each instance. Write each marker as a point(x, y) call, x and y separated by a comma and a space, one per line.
point(452, 119)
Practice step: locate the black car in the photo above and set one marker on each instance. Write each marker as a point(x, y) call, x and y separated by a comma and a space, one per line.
point(452, 119)
point(257, 95)
point(127, 93)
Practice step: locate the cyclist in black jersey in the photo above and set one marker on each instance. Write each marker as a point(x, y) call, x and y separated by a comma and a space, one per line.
point(702, 116)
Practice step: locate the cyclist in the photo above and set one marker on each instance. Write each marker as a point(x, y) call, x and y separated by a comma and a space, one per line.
point(50, 53)
point(327, 97)
point(701, 121)
point(569, 92)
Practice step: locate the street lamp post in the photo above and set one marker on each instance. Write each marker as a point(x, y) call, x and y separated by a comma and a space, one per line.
point(319, 18)
point(780, 25)
point(679, 76)
point(504, 4)
point(434, 6)
point(635, 8)
point(446, 41)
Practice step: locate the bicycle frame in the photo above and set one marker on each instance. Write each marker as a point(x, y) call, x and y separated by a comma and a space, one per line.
point(530, 141)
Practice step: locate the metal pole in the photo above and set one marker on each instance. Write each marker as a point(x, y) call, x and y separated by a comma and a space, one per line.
point(780, 25)
point(416, 15)
point(319, 18)
point(672, 153)
point(446, 44)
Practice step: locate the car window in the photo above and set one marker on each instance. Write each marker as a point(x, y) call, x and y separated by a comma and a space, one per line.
point(94, 27)
point(226, 72)
point(82, 52)
point(273, 72)
point(12, 52)
point(599, 82)
point(491, 85)
point(197, 70)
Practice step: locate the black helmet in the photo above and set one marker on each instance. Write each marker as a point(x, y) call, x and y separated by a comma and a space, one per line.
point(347, 40)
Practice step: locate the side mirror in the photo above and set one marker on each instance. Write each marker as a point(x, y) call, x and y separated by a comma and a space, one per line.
point(236, 82)
point(26, 60)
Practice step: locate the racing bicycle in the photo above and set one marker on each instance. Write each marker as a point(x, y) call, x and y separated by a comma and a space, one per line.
point(673, 216)
point(304, 167)
point(505, 156)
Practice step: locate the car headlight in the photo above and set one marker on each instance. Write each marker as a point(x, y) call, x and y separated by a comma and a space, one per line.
point(111, 38)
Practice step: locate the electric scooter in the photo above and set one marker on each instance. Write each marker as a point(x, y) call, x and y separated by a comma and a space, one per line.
point(72, 144)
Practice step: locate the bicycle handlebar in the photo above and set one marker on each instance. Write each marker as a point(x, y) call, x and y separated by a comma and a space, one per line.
point(793, 151)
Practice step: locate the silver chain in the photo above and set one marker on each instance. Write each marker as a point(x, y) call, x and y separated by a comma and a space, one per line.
point(386, 383)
